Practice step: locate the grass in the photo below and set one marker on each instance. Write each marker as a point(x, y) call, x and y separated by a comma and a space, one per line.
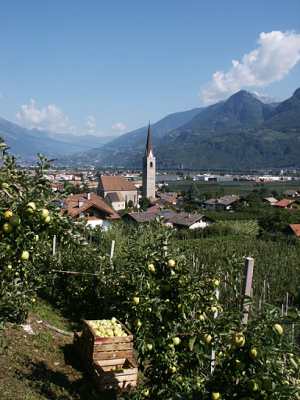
point(44, 365)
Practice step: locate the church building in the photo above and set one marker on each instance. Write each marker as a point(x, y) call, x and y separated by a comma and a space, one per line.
point(149, 170)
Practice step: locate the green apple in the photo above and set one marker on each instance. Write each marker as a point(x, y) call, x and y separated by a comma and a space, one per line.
point(278, 329)
point(171, 263)
point(47, 219)
point(25, 255)
point(207, 338)
point(44, 213)
point(138, 323)
point(253, 385)
point(176, 341)
point(31, 205)
point(146, 393)
point(216, 283)
point(7, 227)
point(151, 268)
point(7, 214)
point(215, 396)
point(136, 300)
point(253, 353)
point(239, 339)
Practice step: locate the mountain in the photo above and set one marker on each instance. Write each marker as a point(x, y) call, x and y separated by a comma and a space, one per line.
point(241, 132)
point(128, 148)
point(26, 143)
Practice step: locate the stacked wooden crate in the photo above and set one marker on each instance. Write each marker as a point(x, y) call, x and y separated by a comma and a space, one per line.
point(110, 359)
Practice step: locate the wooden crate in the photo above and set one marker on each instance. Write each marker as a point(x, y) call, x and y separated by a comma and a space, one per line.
point(118, 374)
point(99, 348)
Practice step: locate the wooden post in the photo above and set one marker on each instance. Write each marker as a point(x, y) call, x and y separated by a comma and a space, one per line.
point(247, 288)
point(213, 351)
point(54, 245)
point(112, 250)
point(287, 303)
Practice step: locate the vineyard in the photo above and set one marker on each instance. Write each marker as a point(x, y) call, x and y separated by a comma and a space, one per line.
point(196, 334)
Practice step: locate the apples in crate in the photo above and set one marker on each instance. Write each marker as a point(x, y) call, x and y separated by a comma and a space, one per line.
point(107, 328)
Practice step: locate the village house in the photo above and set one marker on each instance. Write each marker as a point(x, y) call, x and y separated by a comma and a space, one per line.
point(294, 229)
point(167, 198)
point(188, 221)
point(270, 200)
point(291, 193)
point(91, 207)
point(116, 201)
point(222, 203)
point(125, 191)
point(285, 203)
point(169, 218)
point(140, 217)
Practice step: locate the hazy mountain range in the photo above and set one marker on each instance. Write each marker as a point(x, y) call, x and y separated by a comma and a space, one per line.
point(26, 143)
point(241, 132)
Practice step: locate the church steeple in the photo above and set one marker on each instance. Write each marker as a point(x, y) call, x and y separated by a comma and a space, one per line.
point(149, 170)
point(149, 148)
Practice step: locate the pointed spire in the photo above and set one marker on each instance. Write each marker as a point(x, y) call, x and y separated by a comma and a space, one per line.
point(149, 142)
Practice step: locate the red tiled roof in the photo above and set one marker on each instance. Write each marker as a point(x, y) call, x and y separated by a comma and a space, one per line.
point(115, 184)
point(296, 229)
point(71, 205)
point(284, 203)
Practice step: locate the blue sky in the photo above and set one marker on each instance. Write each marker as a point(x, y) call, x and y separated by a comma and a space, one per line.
point(107, 67)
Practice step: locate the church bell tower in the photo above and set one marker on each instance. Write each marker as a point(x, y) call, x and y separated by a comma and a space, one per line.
point(149, 170)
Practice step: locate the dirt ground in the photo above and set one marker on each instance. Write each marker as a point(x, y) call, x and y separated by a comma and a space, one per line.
point(43, 365)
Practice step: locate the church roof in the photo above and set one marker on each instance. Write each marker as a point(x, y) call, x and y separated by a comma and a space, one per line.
point(115, 184)
point(149, 147)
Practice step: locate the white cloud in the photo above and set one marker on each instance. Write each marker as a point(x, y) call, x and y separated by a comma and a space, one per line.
point(119, 127)
point(91, 124)
point(277, 53)
point(49, 118)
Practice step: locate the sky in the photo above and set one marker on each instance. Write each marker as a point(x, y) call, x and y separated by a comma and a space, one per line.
point(107, 67)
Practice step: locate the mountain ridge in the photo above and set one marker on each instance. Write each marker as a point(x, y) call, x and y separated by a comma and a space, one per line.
point(26, 143)
point(240, 132)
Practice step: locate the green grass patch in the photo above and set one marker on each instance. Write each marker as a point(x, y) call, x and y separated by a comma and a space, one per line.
point(48, 313)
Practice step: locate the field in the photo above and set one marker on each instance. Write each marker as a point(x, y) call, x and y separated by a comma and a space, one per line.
point(239, 188)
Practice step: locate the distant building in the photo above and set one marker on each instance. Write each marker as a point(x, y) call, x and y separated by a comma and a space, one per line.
point(167, 198)
point(189, 221)
point(149, 169)
point(291, 193)
point(222, 203)
point(285, 203)
point(91, 207)
point(270, 200)
point(170, 218)
point(124, 190)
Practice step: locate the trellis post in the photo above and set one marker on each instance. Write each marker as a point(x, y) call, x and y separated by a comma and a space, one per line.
point(54, 245)
point(112, 249)
point(213, 351)
point(247, 287)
